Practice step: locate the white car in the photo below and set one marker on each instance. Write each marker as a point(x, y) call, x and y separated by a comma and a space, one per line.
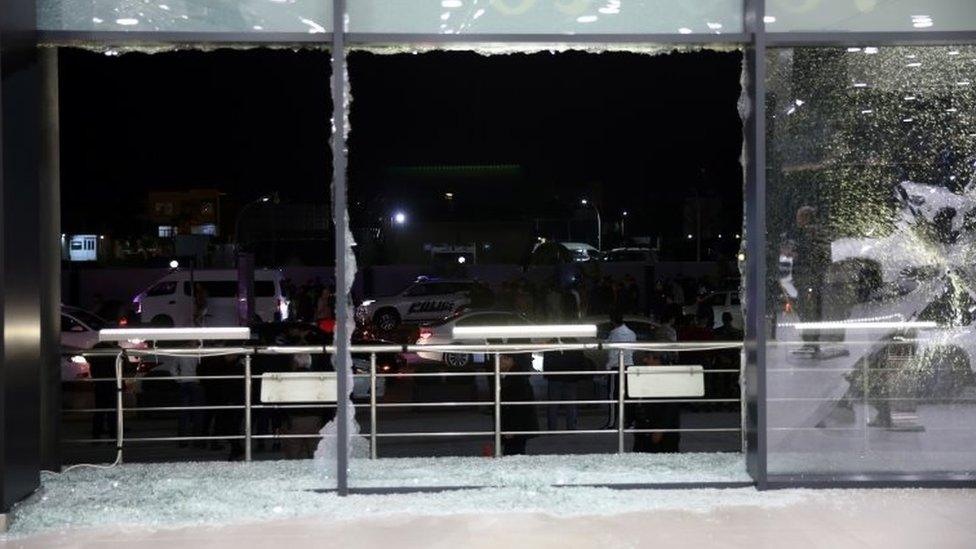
point(633, 255)
point(425, 300)
point(727, 301)
point(169, 302)
point(442, 333)
point(79, 332)
point(582, 252)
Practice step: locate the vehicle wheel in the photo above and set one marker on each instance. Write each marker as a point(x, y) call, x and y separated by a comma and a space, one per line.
point(163, 321)
point(386, 319)
point(457, 360)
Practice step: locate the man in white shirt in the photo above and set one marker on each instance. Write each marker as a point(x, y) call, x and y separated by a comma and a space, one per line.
point(191, 421)
point(619, 334)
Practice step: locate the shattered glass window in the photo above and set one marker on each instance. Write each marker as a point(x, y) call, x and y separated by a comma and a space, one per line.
point(499, 185)
point(546, 16)
point(312, 16)
point(870, 15)
point(870, 205)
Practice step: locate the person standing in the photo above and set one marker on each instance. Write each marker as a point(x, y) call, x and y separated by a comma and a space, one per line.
point(191, 421)
point(810, 264)
point(201, 305)
point(620, 333)
point(563, 386)
point(663, 416)
point(103, 367)
point(522, 417)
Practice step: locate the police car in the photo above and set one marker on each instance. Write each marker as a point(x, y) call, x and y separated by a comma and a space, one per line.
point(425, 299)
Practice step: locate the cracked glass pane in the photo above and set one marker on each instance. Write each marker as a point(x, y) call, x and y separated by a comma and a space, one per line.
point(546, 16)
point(251, 16)
point(870, 15)
point(871, 211)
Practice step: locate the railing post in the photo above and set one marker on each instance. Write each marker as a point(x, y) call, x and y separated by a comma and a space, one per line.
point(620, 401)
point(119, 424)
point(372, 406)
point(247, 407)
point(498, 405)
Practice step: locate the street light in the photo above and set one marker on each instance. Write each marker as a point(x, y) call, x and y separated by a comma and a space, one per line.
point(599, 223)
point(264, 199)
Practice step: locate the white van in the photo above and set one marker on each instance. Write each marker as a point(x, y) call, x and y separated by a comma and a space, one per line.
point(169, 302)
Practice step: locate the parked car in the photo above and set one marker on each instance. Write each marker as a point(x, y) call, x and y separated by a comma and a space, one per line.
point(425, 299)
point(634, 255)
point(79, 332)
point(442, 333)
point(726, 301)
point(169, 302)
point(582, 251)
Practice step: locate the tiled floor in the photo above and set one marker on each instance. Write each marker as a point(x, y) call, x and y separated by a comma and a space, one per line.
point(888, 519)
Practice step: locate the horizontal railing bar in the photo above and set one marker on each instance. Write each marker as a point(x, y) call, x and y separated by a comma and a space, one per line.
point(409, 435)
point(439, 434)
point(702, 430)
point(446, 404)
point(394, 348)
point(156, 378)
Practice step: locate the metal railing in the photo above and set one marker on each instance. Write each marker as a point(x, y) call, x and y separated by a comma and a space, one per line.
point(619, 400)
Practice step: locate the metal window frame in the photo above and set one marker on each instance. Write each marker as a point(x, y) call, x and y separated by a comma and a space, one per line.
point(755, 40)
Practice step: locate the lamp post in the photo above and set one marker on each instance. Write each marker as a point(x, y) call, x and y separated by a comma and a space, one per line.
point(237, 223)
point(599, 223)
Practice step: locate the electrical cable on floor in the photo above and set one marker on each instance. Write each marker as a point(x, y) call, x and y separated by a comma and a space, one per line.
point(118, 426)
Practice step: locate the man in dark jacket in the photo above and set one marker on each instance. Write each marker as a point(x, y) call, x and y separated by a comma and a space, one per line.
point(103, 367)
point(517, 388)
point(656, 415)
point(810, 264)
point(563, 386)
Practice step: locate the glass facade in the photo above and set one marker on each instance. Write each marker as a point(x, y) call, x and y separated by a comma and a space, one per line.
point(871, 219)
point(869, 15)
point(546, 16)
point(250, 16)
point(868, 200)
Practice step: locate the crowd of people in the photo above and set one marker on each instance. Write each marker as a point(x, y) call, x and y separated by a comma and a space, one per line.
point(584, 297)
point(214, 417)
point(312, 301)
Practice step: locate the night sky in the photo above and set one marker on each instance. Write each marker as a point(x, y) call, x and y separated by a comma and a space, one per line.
point(630, 131)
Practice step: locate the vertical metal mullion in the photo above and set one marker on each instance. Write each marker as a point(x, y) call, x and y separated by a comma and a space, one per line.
point(755, 197)
point(339, 217)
